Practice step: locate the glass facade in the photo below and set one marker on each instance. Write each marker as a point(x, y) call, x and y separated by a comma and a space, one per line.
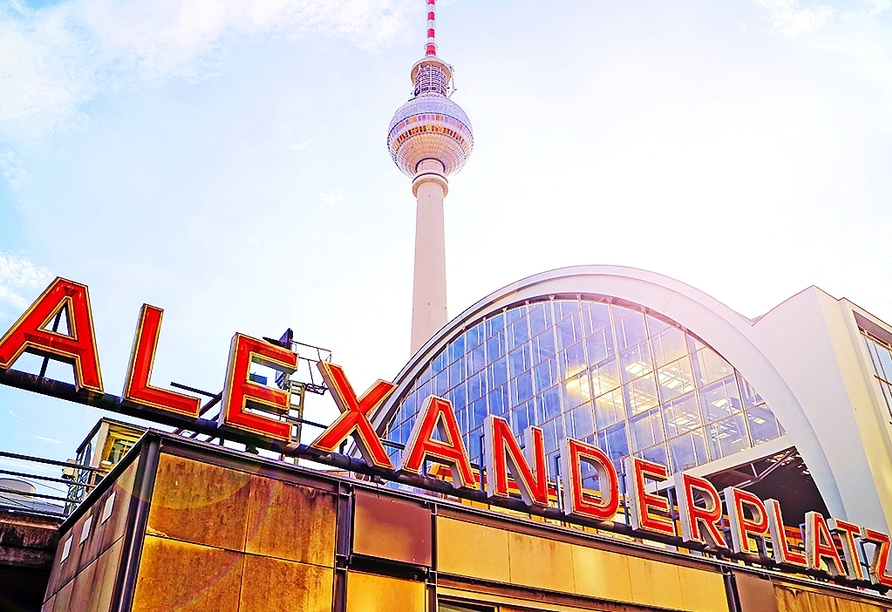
point(610, 375)
point(881, 359)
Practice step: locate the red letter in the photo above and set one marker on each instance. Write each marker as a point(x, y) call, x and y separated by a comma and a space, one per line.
point(692, 517)
point(78, 347)
point(743, 528)
point(819, 545)
point(781, 549)
point(879, 565)
point(643, 503)
point(354, 418)
point(240, 394)
point(137, 385)
point(573, 453)
point(847, 533)
point(503, 454)
point(437, 412)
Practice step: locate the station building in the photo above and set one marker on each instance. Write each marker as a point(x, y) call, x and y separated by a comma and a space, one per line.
point(793, 406)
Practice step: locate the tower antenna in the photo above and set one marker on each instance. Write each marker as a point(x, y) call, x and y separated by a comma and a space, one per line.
point(429, 139)
point(430, 49)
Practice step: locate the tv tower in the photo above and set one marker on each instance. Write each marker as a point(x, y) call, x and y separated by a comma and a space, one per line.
point(430, 138)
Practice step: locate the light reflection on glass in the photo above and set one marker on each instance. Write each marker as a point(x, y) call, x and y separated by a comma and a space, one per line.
point(611, 375)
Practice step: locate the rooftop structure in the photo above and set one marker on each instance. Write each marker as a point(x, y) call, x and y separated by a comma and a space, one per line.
point(429, 139)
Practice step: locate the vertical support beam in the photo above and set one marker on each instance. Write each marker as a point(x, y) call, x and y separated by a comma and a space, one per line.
point(135, 530)
point(429, 282)
point(343, 546)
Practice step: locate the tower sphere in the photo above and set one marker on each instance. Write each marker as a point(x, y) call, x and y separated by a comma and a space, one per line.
point(430, 125)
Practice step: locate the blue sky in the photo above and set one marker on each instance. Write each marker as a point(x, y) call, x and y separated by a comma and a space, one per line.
point(226, 161)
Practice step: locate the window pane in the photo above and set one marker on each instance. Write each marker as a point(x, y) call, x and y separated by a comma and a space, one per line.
point(583, 421)
point(630, 329)
point(609, 408)
point(646, 429)
point(540, 317)
point(566, 308)
point(641, 394)
point(720, 399)
point(554, 431)
point(546, 374)
point(605, 377)
point(543, 346)
point(441, 383)
point(519, 420)
point(550, 403)
point(522, 386)
point(750, 397)
point(657, 454)
point(477, 386)
point(617, 444)
point(573, 360)
point(519, 359)
point(457, 372)
point(687, 451)
point(682, 415)
point(709, 366)
point(498, 372)
point(569, 332)
point(676, 378)
point(763, 425)
point(669, 346)
point(600, 345)
point(495, 324)
point(728, 436)
point(518, 333)
point(576, 390)
point(595, 316)
point(654, 325)
point(635, 361)
point(498, 400)
point(457, 348)
point(495, 346)
point(885, 360)
point(474, 336)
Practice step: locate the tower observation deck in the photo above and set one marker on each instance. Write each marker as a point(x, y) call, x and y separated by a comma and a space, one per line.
point(429, 139)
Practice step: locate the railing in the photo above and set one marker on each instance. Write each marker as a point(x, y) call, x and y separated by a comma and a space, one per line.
point(25, 489)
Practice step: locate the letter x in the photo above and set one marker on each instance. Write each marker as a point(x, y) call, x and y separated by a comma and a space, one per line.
point(354, 418)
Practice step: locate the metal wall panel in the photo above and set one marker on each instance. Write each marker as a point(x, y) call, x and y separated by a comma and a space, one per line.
point(200, 502)
point(274, 585)
point(472, 550)
point(755, 593)
point(792, 599)
point(391, 528)
point(182, 576)
point(541, 563)
point(598, 573)
point(290, 522)
point(368, 593)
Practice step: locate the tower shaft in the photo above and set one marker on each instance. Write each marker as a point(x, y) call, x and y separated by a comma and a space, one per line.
point(429, 281)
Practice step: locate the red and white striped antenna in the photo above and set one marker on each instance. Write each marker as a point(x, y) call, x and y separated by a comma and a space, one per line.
point(430, 49)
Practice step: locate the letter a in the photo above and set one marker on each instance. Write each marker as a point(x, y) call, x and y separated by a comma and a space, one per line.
point(78, 347)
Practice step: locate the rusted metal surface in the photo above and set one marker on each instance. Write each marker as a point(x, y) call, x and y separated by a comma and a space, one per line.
point(392, 528)
point(28, 540)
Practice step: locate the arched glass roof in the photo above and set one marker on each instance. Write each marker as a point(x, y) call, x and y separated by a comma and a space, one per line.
point(611, 375)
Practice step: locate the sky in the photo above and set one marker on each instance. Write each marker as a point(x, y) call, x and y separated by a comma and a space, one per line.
point(225, 160)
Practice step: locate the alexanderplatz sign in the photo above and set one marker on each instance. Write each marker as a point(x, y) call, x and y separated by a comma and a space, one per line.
point(734, 523)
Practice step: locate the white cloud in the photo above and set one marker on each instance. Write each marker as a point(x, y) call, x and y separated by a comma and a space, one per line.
point(332, 196)
point(789, 18)
point(45, 439)
point(57, 58)
point(11, 169)
point(18, 276)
